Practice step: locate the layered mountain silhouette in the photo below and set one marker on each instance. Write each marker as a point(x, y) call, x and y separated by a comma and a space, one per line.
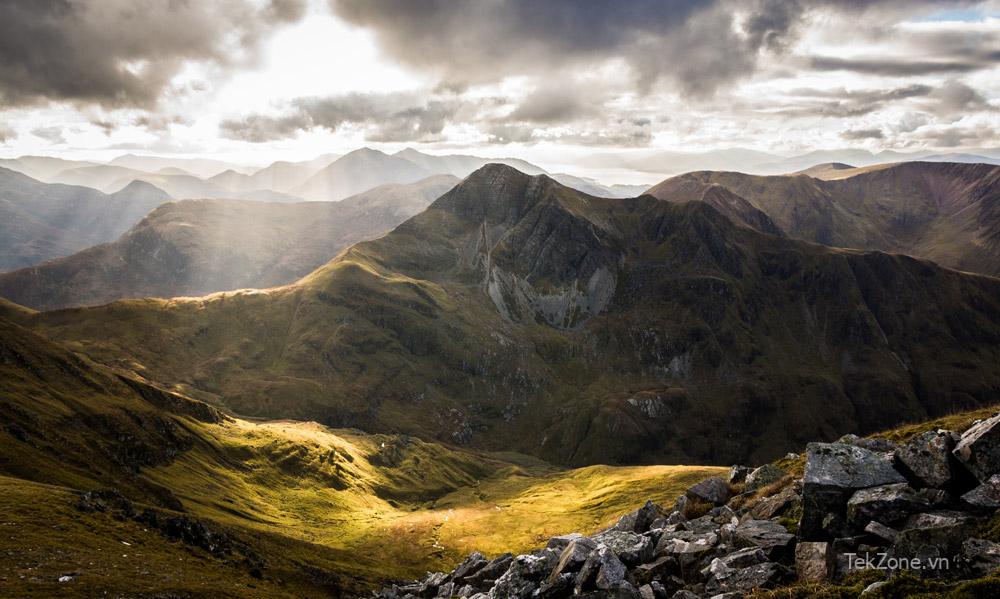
point(517, 313)
point(195, 247)
point(946, 212)
point(39, 221)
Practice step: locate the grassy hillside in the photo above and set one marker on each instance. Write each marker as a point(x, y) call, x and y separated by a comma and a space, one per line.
point(298, 509)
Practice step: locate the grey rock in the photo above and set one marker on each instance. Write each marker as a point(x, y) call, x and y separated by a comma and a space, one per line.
point(883, 532)
point(660, 568)
point(776, 504)
point(767, 535)
point(493, 570)
point(943, 532)
point(886, 504)
point(979, 448)
point(834, 471)
point(573, 556)
point(602, 567)
point(686, 542)
point(558, 586)
point(630, 548)
point(516, 582)
point(446, 590)
point(640, 520)
point(738, 474)
point(982, 557)
point(562, 541)
point(714, 490)
point(646, 592)
point(763, 476)
point(873, 587)
point(986, 496)
point(684, 594)
point(758, 576)
point(928, 458)
point(814, 560)
point(471, 565)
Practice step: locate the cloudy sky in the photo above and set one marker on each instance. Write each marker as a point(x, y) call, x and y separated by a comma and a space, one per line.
point(553, 81)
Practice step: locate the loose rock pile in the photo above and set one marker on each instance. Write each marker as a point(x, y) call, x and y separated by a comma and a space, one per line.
point(861, 503)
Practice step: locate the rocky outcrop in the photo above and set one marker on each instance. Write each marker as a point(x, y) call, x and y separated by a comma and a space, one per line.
point(858, 505)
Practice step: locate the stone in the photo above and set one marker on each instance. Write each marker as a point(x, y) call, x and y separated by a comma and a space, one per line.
point(513, 584)
point(763, 476)
point(573, 556)
point(936, 498)
point(712, 490)
point(559, 586)
point(982, 557)
point(928, 458)
point(986, 496)
point(471, 565)
point(873, 587)
point(979, 448)
point(833, 472)
point(886, 504)
point(814, 560)
point(684, 594)
point(446, 590)
point(493, 570)
point(881, 531)
point(767, 535)
point(602, 567)
point(776, 504)
point(562, 541)
point(661, 567)
point(942, 531)
point(758, 576)
point(630, 548)
point(646, 592)
point(686, 542)
point(738, 475)
point(640, 520)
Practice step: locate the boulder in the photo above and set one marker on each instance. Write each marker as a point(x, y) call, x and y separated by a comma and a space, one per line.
point(758, 576)
point(486, 575)
point(979, 448)
point(763, 476)
point(470, 566)
point(630, 548)
point(767, 535)
point(514, 583)
point(928, 458)
point(776, 504)
point(881, 531)
point(935, 533)
point(660, 568)
point(559, 586)
point(981, 557)
point(602, 568)
point(562, 541)
point(640, 520)
point(986, 496)
point(886, 504)
point(738, 475)
point(712, 490)
point(573, 556)
point(833, 472)
point(814, 560)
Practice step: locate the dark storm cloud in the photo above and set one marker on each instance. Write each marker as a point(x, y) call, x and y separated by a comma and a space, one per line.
point(956, 98)
point(385, 117)
point(862, 134)
point(695, 45)
point(698, 44)
point(122, 52)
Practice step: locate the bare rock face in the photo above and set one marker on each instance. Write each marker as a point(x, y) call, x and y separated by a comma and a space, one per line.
point(979, 448)
point(712, 490)
point(928, 457)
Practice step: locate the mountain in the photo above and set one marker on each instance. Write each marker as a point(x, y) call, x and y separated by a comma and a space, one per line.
point(517, 313)
point(828, 170)
point(946, 212)
point(358, 171)
point(594, 188)
point(41, 221)
point(200, 167)
point(42, 167)
point(461, 165)
point(195, 247)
